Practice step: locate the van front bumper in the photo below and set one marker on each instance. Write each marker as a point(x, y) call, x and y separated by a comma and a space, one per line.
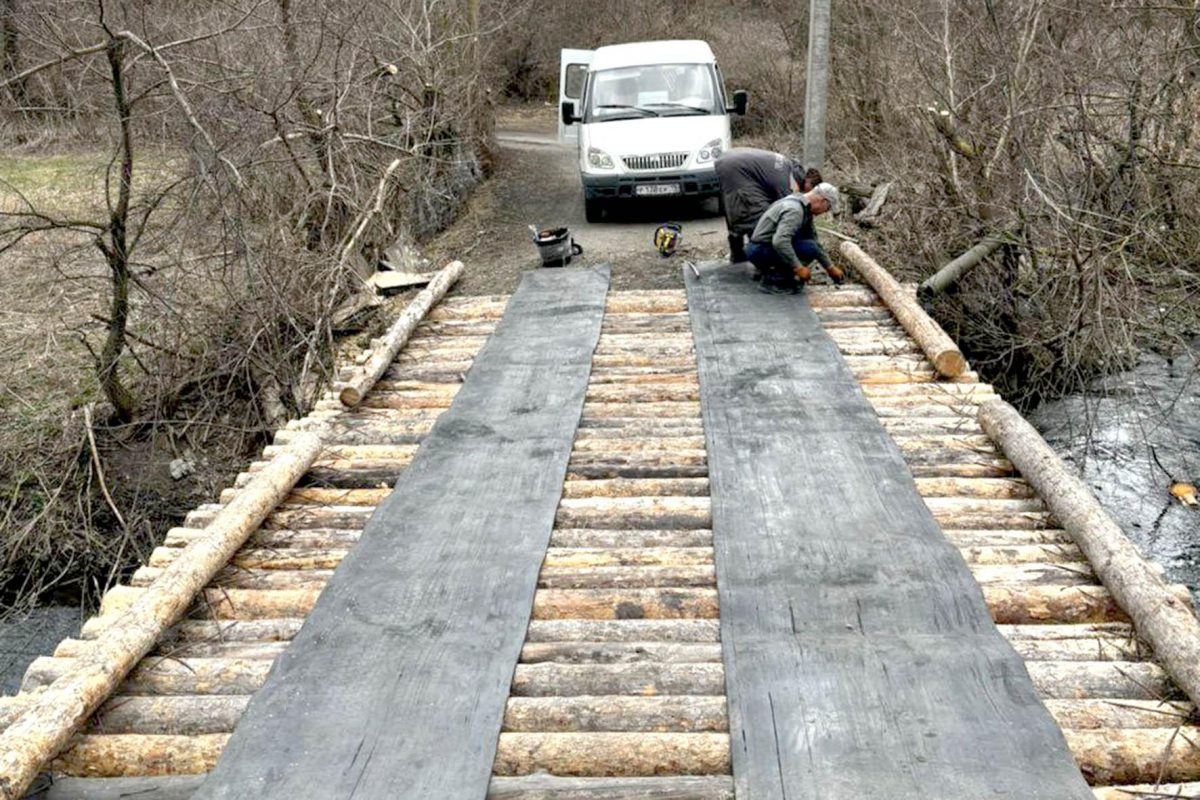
point(691, 184)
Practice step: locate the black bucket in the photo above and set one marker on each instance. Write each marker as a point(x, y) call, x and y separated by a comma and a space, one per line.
point(556, 247)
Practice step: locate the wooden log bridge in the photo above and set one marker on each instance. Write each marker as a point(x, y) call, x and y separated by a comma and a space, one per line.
point(620, 687)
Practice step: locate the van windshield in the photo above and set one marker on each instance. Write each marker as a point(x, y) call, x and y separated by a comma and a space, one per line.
point(652, 90)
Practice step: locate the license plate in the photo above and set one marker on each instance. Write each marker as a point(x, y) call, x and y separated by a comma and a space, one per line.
point(656, 189)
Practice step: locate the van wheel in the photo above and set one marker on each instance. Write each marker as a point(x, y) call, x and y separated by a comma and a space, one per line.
point(593, 209)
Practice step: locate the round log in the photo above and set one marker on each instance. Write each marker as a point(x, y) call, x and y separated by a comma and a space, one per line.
point(625, 604)
point(682, 714)
point(1165, 620)
point(626, 577)
point(190, 676)
point(118, 755)
point(940, 348)
point(181, 715)
point(239, 604)
point(352, 391)
point(1148, 791)
point(1137, 755)
point(625, 630)
point(584, 652)
point(596, 538)
point(613, 754)
point(1024, 554)
point(635, 512)
point(1102, 714)
point(1132, 680)
point(560, 557)
point(633, 487)
point(550, 787)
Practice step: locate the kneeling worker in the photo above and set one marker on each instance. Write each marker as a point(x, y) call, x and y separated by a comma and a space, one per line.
point(752, 179)
point(785, 240)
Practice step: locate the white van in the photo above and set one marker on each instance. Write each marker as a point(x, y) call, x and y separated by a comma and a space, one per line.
point(650, 117)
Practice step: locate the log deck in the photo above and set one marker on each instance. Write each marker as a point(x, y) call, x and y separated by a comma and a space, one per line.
point(620, 687)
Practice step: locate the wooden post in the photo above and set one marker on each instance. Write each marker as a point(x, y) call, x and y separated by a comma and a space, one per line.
point(938, 346)
point(950, 274)
point(1167, 622)
point(816, 84)
point(46, 725)
point(353, 390)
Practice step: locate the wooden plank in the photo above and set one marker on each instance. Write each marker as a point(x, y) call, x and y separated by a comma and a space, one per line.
point(396, 684)
point(860, 657)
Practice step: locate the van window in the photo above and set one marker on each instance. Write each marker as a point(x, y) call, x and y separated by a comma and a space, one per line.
point(574, 81)
point(652, 90)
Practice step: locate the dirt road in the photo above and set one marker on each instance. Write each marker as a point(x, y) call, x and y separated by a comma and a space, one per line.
point(537, 182)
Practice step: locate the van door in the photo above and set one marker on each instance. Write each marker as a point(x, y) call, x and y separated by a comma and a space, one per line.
point(572, 75)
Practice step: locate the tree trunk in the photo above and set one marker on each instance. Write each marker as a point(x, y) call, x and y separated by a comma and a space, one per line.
point(116, 251)
point(10, 51)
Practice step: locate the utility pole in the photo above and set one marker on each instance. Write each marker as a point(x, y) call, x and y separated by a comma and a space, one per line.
point(817, 82)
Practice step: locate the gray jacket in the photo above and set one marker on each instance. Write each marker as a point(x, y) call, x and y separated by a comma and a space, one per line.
point(787, 221)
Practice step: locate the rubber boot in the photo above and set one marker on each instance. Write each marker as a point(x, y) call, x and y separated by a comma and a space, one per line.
point(737, 251)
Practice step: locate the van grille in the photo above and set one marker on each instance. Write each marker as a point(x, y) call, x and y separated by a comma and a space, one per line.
point(655, 161)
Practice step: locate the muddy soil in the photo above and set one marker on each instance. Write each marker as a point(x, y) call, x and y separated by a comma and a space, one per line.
point(537, 182)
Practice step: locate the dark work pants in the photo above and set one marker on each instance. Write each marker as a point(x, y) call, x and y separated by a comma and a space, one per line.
point(775, 271)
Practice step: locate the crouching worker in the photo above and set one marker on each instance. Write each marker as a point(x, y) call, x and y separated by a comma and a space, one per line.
point(752, 179)
point(785, 242)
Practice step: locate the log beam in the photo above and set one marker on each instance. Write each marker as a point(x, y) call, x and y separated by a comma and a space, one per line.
point(938, 346)
point(352, 391)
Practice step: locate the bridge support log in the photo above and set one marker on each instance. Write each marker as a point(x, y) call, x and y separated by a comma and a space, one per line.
point(1161, 617)
point(941, 349)
point(353, 391)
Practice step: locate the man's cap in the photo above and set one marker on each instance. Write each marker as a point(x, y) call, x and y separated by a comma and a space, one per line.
point(830, 193)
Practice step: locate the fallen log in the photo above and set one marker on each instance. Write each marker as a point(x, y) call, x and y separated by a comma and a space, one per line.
point(874, 206)
point(1164, 619)
point(939, 347)
point(352, 391)
point(950, 274)
point(47, 725)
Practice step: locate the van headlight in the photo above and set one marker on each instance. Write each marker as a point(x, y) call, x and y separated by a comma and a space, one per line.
point(710, 151)
point(599, 159)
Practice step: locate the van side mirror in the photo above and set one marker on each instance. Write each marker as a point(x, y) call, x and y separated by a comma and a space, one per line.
point(741, 100)
point(568, 113)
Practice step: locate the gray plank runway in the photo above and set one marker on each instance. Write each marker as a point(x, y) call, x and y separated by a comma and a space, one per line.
point(861, 661)
point(396, 684)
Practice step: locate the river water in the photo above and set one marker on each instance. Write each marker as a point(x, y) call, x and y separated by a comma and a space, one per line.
point(1109, 433)
point(1131, 436)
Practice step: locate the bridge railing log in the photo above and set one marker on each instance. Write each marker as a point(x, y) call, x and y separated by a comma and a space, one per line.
point(1164, 620)
point(35, 727)
point(48, 722)
point(353, 390)
point(944, 354)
